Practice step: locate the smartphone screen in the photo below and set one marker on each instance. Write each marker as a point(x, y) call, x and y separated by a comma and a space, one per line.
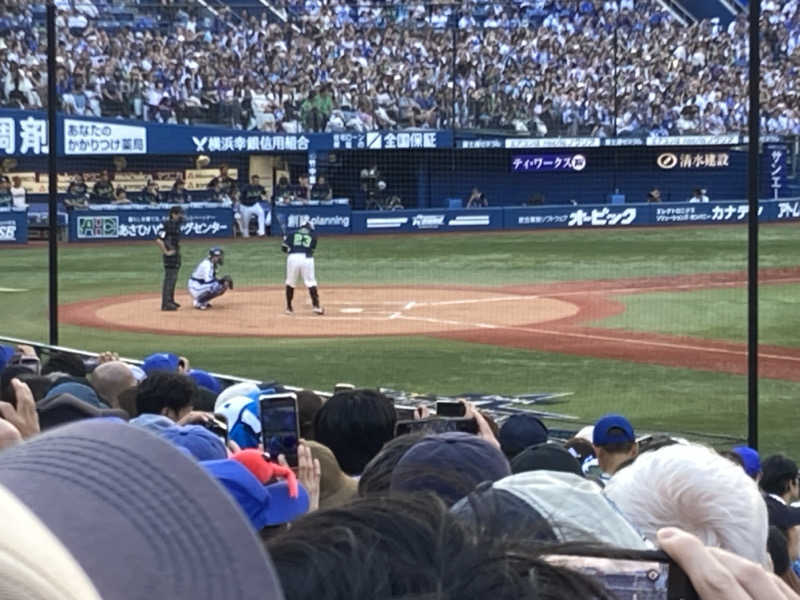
point(629, 579)
point(280, 429)
point(405, 413)
point(218, 427)
point(436, 425)
point(450, 408)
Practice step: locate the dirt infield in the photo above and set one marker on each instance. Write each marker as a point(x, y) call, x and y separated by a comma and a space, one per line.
point(549, 317)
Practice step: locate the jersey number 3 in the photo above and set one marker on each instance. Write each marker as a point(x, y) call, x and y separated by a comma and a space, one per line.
point(302, 239)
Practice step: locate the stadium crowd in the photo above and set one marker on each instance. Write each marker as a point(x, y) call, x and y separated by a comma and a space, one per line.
point(542, 68)
point(108, 471)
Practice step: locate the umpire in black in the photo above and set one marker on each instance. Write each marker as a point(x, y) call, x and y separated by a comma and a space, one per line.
point(169, 240)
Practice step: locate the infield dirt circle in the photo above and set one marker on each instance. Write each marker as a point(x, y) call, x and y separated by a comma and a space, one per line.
point(350, 311)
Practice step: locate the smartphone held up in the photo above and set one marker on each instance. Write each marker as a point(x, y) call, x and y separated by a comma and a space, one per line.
point(280, 426)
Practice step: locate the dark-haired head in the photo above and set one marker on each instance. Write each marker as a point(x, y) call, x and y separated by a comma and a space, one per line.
point(377, 475)
point(412, 547)
point(355, 424)
point(63, 362)
point(308, 403)
point(166, 393)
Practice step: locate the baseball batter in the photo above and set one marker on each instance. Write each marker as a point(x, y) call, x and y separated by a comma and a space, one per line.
point(299, 247)
point(204, 285)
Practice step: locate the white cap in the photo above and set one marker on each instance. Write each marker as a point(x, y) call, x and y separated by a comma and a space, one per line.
point(33, 562)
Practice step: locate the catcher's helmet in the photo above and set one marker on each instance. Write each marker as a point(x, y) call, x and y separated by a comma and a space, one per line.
point(216, 251)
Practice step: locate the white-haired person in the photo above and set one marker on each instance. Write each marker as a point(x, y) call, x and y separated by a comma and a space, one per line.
point(692, 487)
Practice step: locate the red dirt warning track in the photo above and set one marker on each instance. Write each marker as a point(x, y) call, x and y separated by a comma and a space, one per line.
point(549, 317)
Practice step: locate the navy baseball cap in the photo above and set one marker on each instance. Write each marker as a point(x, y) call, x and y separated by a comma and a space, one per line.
point(449, 464)
point(603, 435)
point(264, 505)
point(160, 361)
point(143, 520)
point(520, 431)
point(750, 460)
point(199, 441)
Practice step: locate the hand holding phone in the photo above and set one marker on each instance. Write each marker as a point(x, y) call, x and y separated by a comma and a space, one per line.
point(280, 426)
point(450, 408)
point(433, 425)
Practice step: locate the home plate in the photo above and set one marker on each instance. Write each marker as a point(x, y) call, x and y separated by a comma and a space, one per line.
point(351, 310)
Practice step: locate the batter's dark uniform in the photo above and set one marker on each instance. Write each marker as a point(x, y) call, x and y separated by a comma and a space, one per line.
point(171, 237)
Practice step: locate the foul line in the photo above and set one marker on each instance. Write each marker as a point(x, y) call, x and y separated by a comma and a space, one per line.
point(627, 290)
point(604, 338)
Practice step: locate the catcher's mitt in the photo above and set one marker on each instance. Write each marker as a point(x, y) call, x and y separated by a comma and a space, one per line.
point(227, 280)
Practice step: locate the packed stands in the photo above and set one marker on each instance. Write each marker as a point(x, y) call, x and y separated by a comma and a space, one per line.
point(541, 68)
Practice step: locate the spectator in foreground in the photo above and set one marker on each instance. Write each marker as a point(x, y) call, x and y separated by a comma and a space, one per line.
point(693, 487)
point(520, 431)
point(614, 443)
point(116, 497)
point(355, 424)
point(110, 379)
point(167, 394)
point(780, 483)
point(450, 465)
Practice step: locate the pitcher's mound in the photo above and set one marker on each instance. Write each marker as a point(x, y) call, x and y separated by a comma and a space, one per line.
point(349, 311)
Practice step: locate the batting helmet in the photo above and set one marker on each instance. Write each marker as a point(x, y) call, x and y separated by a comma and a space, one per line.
point(217, 251)
point(309, 224)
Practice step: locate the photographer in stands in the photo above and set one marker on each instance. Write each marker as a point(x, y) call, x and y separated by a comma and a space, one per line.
point(321, 191)
point(103, 190)
point(178, 194)
point(150, 193)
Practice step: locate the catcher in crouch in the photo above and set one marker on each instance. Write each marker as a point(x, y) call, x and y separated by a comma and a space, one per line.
point(204, 285)
point(299, 247)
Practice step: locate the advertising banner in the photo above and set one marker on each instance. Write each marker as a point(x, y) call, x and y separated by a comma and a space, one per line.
point(13, 226)
point(427, 220)
point(326, 218)
point(105, 224)
point(577, 217)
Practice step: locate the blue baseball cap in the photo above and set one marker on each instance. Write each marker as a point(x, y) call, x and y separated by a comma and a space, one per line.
point(450, 464)
point(206, 380)
point(603, 435)
point(199, 441)
point(6, 352)
point(152, 422)
point(750, 459)
point(160, 361)
point(264, 505)
point(521, 431)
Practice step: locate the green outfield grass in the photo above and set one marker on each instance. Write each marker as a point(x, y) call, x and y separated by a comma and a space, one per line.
point(656, 397)
point(713, 313)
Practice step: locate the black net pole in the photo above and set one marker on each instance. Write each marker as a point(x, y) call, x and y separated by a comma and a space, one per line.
point(752, 226)
point(52, 215)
